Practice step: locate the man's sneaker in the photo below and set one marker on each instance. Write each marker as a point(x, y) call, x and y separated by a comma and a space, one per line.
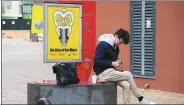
point(145, 101)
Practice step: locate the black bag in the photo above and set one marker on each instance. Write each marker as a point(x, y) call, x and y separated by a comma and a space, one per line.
point(65, 73)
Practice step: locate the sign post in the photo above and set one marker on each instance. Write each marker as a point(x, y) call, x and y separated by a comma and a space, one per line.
point(63, 33)
point(70, 34)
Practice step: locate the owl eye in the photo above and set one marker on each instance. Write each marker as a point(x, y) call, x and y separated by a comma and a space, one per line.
point(59, 19)
point(67, 19)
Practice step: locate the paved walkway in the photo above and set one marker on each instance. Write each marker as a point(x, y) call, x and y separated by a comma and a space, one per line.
point(160, 97)
point(22, 62)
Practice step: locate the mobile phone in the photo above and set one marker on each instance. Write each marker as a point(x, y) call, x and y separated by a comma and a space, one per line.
point(119, 61)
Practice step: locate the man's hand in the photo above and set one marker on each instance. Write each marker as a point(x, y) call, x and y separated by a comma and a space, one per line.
point(115, 64)
point(119, 61)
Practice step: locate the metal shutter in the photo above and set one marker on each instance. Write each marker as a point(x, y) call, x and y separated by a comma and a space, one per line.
point(136, 19)
point(149, 39)
point(143, 38)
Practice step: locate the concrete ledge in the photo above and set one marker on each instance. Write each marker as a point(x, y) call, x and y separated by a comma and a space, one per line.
point(72, 94)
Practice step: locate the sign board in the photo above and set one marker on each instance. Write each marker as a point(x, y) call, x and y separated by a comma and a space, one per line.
point(62, 33)
point(37, 17)
point(148, 23)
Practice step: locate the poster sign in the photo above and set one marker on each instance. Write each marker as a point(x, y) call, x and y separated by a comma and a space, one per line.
point(63, 33)
point(148, 23)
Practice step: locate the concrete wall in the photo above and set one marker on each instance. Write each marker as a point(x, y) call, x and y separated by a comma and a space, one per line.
point(182, 48)
point(169, 40)
point(72, 94)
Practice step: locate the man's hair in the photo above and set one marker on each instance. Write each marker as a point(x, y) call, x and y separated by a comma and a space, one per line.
point(123, 34)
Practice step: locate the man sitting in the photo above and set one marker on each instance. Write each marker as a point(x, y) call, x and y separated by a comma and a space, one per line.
point(106, 65)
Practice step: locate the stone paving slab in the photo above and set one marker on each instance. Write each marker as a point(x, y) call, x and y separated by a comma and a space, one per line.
point(22, 62)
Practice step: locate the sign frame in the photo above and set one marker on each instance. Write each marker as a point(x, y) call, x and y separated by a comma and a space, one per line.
point(45, 32)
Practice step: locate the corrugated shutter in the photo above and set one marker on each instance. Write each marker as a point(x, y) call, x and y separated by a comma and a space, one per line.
point(149, 39)
point(143, 38)
point(136, 22)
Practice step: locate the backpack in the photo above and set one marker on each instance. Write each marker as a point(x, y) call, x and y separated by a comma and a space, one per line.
point(65, 73)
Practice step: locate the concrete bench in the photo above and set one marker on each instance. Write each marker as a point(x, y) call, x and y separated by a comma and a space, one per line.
point(72, 94)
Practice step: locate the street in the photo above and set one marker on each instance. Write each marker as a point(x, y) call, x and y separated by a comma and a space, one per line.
point(22, 62)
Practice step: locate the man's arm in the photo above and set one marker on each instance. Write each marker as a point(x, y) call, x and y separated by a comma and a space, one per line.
point(99, 55)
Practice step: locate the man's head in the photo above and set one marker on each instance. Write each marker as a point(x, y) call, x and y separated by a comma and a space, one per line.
point(121, 36)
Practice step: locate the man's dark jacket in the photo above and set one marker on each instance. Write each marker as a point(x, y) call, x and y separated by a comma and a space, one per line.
point(105, 54)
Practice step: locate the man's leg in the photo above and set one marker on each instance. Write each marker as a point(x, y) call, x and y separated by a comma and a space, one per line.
point(111, 75)
point(126, 91)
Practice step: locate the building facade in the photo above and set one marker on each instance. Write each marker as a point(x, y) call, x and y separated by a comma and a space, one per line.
point(16, 16)
point(155, 53)
point(11, 9)
point(16, 9)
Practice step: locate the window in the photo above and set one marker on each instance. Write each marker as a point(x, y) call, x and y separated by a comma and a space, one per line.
point(27, 16)
point(27, 8)
point(143, 38)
